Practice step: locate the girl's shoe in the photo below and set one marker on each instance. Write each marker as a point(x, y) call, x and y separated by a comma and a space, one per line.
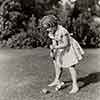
point(58, 87)
point(74, 90)
point(54, 83)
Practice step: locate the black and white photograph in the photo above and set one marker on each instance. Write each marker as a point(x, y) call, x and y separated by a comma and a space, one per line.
point(49, 49)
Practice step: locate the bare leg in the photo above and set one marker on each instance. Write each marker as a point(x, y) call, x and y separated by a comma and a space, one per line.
point(74, 80)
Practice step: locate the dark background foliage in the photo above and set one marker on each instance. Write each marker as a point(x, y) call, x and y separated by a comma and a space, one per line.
point(19, 22)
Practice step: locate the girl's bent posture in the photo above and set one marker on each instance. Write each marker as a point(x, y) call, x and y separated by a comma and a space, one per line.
point(65, 50)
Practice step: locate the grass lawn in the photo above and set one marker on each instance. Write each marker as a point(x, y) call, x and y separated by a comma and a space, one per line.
point(23, 73)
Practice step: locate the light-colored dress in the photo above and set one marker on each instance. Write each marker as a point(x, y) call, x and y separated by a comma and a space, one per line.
point(69, 55)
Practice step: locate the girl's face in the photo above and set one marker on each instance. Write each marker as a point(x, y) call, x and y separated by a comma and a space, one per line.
point(51, 30)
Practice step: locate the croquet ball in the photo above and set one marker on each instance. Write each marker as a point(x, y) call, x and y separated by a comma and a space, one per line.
point(45, 91)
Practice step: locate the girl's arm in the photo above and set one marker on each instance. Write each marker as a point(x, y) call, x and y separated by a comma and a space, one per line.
point(53, 41)
point(51, 36)
point(53, 50)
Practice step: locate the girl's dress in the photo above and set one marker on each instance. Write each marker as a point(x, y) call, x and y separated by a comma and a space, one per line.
point(69, 55)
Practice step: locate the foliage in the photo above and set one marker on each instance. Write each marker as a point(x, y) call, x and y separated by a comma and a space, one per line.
point(79, 22)
point(19, 22)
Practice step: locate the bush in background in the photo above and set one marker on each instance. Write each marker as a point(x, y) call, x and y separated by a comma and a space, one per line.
point(19, 22)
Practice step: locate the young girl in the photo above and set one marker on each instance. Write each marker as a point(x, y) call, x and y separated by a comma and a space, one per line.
point(65, 50)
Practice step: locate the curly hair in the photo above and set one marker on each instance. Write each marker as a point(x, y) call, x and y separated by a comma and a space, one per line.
point(48, 21)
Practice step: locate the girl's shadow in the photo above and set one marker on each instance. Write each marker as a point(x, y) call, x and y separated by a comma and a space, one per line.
point(91, 78)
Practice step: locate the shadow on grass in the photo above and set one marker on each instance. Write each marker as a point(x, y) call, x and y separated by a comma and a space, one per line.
point(91, 78)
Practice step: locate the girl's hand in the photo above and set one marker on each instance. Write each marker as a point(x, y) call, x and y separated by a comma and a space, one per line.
point(51, 36)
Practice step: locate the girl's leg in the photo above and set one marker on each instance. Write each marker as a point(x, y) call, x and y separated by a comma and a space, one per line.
point(75, 87)
point(58, 72)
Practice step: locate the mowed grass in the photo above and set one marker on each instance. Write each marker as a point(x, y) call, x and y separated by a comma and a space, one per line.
point(24, 73)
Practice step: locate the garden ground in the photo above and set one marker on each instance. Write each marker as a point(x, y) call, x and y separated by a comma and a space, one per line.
point(23, 74)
